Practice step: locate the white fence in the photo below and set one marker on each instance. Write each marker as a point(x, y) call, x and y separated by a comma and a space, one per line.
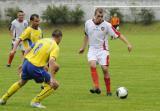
point(37, 6)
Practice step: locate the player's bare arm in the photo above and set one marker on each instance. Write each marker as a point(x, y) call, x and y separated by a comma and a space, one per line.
point(15, 46)
point(123, 38)
point(53, 67)
point(85, 42)
point(11, 34)
point(27, 51)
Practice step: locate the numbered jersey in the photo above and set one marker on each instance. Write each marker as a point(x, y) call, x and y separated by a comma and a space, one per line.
point(42, 51)
point(98, 34)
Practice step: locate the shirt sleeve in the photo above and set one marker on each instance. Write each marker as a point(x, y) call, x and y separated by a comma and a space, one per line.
point(55, 52)
point(25, 34)
point(12, 27)
point(26, 24)
point(113, 32)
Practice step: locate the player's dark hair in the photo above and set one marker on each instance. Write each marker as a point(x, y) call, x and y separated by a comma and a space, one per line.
point(57, 33)
point(20, 11)
point(99, 10)
point(34, 16)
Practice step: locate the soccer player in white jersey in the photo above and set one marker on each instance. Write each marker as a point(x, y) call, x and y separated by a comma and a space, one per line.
point(17, 27)
point(97, 32)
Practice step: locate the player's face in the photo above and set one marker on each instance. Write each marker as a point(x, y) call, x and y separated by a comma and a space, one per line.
point(59, 40)
point(98, 18)
point(36, 22)
point(20, 16)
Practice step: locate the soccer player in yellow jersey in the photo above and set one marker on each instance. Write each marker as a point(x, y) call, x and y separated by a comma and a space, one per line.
point(45, 51)
point(30, 35)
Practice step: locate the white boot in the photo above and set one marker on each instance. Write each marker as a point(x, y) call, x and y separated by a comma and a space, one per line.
point(37, 105)
point(2, 102)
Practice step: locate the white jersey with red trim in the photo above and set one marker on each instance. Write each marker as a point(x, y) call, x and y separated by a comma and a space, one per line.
point(98, 34)
point(18, 27)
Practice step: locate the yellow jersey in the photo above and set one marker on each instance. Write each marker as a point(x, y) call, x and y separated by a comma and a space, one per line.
point(42, 51)
point(30, 36)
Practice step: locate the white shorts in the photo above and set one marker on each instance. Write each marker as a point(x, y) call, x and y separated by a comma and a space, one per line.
point(99, 55)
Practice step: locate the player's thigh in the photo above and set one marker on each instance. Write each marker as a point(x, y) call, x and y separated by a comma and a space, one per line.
point(25, 72)
point(46, 76)
point(40, 75)
point(103, 58)
point(22, 82)
point(92, 58)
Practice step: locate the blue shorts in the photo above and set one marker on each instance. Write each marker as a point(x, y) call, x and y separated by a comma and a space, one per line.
point(29, 71)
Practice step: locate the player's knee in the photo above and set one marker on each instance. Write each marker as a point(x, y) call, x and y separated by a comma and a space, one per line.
point(106, 75)
point(92, 64)
point(105, 70)
point(92, 67)
point(22, 82)
point(49, 85)
point(55, 87)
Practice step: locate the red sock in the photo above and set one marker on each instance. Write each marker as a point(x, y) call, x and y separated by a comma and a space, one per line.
point(10, 59)
point(107, 83)
point(95, 78)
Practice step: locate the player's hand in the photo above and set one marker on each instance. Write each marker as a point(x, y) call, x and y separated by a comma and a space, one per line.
point(130, 48)
point(54, 84)
point(117, 28)
point(56, 67)
point(46, 68)
point(81, 50)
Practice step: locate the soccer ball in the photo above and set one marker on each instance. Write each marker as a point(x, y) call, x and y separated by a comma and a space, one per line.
point(122, 92)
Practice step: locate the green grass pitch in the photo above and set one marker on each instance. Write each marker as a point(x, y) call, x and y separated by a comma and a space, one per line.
point(138, 71)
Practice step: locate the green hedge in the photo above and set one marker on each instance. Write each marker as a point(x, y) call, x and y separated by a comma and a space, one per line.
point(77, 15)
point(11, 13)
point(62, 14)
point(147, 16)
point(0, 18)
